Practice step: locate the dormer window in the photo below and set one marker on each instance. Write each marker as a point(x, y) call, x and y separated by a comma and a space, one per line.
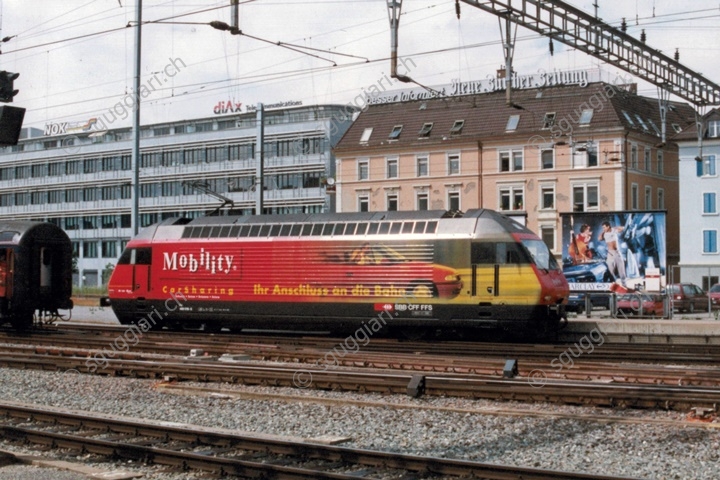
point(425, 130)
point(586, 116)
point(457, 127)
point(642, 123)
point(713, 128)
point(395, 134)
point(628, 118)
point(512, 123)
point(365, 138)
point(549, 120)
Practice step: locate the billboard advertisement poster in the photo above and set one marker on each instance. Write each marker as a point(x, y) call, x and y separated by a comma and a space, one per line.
point(603, 249)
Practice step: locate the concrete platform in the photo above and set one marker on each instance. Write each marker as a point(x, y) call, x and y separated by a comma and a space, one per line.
point(697, 329)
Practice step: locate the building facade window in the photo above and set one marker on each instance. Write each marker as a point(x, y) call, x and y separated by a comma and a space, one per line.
point(391, 168)
point(90, 249)
point(634, 196)
point(547, 159)
point(511, 161)
point(547, 234)
point(648, 198)
point(714, 128)
point(648, 160)
point(363, 203)
point(363, 169)
point(109, 249)
point(709, 203)
point(453, 164)
point(710, 241)
point(453, 200)
point(661, 199)
point(511, 198)
point(634, 156)
point(423, 201)
point(708, 167)
point(585, 197)
point(392, 202)
point(547, 197)
point(422, 166)
point(660, 162)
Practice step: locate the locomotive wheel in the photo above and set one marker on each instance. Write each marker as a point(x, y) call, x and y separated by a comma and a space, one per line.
point(212, 327)
point(415, 334)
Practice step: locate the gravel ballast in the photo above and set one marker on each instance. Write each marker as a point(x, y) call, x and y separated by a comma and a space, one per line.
point(634, 450)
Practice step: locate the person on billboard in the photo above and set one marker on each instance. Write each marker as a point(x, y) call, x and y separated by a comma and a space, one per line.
point(614, 259)
point(580, 251)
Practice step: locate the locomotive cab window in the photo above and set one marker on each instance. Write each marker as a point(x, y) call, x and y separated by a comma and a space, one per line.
point(136, 256)
point(306, 230)
point(384, 228)
point(395, 228)
point(407, 227)
point(419, 227)
point(275, 230)
point(373, 228)
point(431, 227)
point(500, 253)
point(361, 229)
point(285, 230)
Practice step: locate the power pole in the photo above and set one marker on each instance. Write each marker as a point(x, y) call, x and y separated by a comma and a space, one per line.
point(135, 213)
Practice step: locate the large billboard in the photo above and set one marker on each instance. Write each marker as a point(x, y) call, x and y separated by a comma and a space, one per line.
point(600, 249)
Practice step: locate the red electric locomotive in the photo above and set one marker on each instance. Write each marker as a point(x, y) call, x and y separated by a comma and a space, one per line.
point(411, 270)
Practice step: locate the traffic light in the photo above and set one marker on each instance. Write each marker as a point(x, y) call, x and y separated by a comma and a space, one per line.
point(11, 120)
point(7, 91)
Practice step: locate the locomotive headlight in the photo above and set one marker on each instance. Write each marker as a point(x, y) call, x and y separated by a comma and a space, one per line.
point(452, 278)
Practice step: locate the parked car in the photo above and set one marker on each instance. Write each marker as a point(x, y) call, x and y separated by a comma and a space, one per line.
point(631, 303)
point(576, 301)
point(715, 295)
point(687, 297)
point(591, 272)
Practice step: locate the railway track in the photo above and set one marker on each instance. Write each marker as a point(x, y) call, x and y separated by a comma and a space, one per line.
point(179, 343)
point(531, 389)
point(188, 447)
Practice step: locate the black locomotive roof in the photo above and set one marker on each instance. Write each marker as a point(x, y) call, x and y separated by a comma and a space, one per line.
point(16, 231)
point(330, 217)
point(486, 223)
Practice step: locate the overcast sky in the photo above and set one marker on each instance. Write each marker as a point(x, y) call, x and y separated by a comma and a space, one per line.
point(75, 57)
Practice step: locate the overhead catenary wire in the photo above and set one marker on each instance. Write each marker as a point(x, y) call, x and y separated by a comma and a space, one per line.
point(270, 77)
